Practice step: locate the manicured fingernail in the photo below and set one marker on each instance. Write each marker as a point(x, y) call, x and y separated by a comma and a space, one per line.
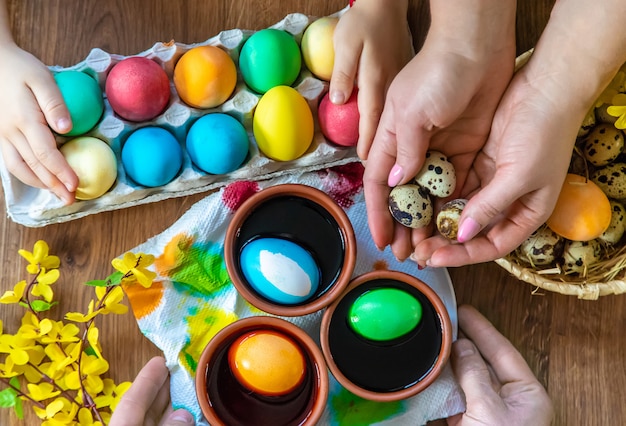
point(337, 97)
point(468, 230)
point(395, 176)
point(182, 416)
point(64, 125)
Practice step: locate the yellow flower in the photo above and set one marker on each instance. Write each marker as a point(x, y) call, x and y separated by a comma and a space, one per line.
point(136, 265)
point(61, 357)
point(32, 328)
point(112, 301)
point(92, 338)
point(39, 258)
point(15, 295)
point(85, 418)
point(78, 317)
point(42, 391)
point(16, 346)
point(91, 367)
point(58, 412)
point(61, 333)
point(618, 109)
point(44, 280)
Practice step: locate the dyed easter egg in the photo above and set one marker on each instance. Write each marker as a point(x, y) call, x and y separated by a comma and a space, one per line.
point(340, 123)
point(384, 314)
point(205, 76)
point(217, 143)
point(152, 156)
point(280, 270)
point(317, 47)
point(283, 124)
point(94, 163)
point(137, 88)
point(267, 362)
point(83, 98)
point(269, 58)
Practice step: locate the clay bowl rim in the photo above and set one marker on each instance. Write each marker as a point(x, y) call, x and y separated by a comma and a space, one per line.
point(446, 336)
point(317, 196)
point(231, 331)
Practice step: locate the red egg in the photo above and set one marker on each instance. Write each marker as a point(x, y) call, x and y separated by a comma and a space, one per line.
point(138, 89)
point(340, 123)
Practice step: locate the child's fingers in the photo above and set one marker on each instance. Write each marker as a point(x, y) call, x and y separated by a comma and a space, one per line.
point(17, 167)
point(51, 102)
point(347, 56)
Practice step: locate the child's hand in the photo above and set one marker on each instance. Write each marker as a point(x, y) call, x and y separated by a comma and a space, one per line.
point(372, 43)
point(443, 100)
point(31, 103)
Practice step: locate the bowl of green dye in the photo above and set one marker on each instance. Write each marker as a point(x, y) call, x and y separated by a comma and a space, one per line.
point(387, 337)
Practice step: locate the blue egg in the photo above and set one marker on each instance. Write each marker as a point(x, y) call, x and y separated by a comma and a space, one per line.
point(280, 270)
point(217, 143)
point(152, 156)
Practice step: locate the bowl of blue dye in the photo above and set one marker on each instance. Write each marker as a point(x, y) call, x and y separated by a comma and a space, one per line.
point(290, 250)
point(387, 337)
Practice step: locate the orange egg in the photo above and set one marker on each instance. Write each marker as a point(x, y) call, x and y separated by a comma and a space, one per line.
point(267, 362)
point(205, 76)
point(582, 211)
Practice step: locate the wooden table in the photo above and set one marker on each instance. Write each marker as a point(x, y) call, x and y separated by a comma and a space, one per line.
point(575, 347)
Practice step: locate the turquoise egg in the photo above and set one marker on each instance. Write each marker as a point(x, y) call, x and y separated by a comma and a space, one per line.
point(83, 98)
point(384, 314)
point(280, 270)
point(270, 58)
point(217, 143)
point(152, 156)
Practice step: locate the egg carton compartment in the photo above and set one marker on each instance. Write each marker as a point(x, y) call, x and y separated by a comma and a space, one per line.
point(36, 207)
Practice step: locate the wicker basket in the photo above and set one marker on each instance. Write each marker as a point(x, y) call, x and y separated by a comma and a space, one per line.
point(606, 278)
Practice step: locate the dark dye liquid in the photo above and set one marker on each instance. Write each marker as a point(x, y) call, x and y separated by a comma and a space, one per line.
point(385, 366)
point(238, 406)
point(303, 222)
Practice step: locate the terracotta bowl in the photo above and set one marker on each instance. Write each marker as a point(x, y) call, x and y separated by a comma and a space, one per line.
point(224, 401)
point(306, 216)
point(387, 370)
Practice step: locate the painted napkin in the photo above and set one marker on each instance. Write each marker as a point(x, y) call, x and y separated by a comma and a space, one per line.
point(193, 298)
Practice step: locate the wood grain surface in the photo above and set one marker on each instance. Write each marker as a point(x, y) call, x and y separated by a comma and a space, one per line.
point(575, 347)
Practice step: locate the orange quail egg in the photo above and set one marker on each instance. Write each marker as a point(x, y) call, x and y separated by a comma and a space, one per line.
point(616, 228)
point(603, 144)
point(542, 248)
point(449, 217)
point(611, 180)
point(411, 206)
point(580, 255)
point(437, 175)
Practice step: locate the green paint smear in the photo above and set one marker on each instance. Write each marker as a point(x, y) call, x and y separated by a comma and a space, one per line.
point(200, 271)
point(350, 410)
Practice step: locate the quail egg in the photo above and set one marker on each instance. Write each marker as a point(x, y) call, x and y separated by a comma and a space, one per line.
point(542, 248)
point(580, 255)
point(616, 228)
point(611, 180)
point(449, 216)
point(603, 144)
point(437, 175)
point(411, 205)
point(602, 116)
point(588, 123)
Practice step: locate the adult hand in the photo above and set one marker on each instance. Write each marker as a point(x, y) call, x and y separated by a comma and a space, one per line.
point(372, 43)
point(31, 103)
point(443, 100)
point(499, 386)
point(147, 402)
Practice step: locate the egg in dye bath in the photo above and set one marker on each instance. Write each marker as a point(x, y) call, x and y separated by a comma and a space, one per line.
point(283, 124)
point(83, 97)
point(280, 270)
point(267, 362)
point(384, 314)
point(152, 156)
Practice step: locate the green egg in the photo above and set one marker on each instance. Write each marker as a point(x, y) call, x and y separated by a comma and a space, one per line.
point(384, 314)
point(83, 98)
point(270, 58)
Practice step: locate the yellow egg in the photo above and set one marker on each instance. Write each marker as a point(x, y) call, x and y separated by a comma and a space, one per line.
point(317, 47)
point(283, 124)
point(94, 163)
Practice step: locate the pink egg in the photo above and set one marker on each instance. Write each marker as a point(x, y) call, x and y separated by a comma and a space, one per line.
point(340, 123)
point(138, 89)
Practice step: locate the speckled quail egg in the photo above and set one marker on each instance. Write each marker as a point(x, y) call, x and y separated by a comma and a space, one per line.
point(437, 175)
point(604, 117)
point(603, 144)
point(449, 216)
point(542, 248)
point(580, 255)
point(611, 180)
point(588, 123)
point(411, 205)
point(617, 227)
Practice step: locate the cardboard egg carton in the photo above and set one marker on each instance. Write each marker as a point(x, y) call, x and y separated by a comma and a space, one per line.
point(36, 207)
